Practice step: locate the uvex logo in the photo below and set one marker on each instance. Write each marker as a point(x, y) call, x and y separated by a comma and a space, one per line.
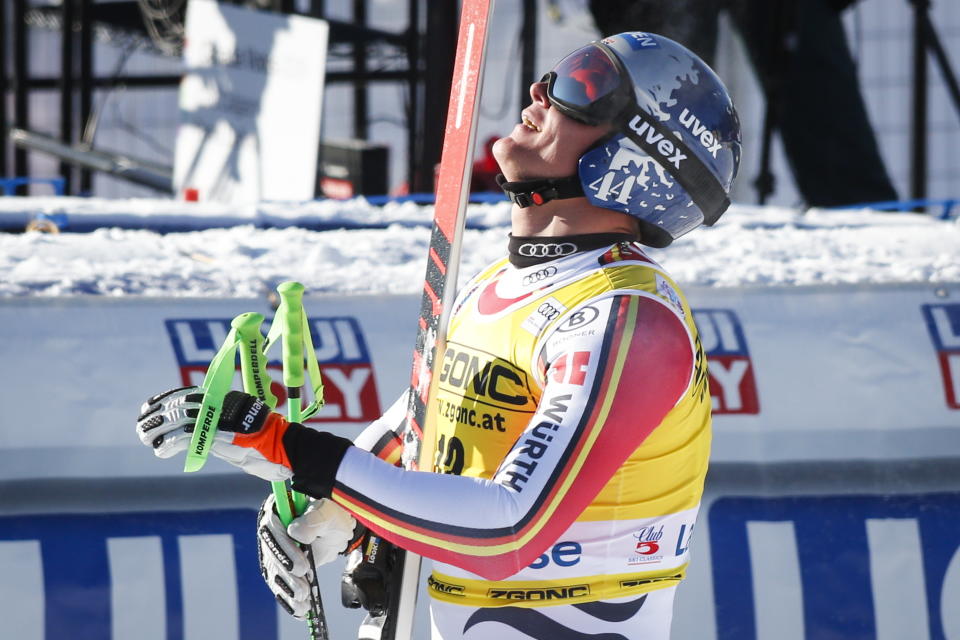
point(699, 129)
point(663, 146)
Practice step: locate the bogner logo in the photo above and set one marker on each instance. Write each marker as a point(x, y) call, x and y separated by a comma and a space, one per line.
point(663, 146)
point(275, 549)
point(250, 419)
point(556, 593)
point(445, 587)
point(692, 122)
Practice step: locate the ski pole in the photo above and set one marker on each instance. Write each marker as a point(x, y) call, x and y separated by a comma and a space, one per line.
point(294, 332)
point(291, 318)
point(256, 381)
point(244, 334)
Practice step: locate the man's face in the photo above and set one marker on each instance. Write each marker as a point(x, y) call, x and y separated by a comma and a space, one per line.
point(546, 143)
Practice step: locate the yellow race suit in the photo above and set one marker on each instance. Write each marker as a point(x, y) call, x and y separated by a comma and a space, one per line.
point(567, 443)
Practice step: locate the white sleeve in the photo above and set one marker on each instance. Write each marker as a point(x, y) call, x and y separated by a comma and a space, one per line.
point(389, 422)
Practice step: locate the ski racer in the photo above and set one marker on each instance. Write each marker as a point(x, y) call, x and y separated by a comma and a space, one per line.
point(568, 441)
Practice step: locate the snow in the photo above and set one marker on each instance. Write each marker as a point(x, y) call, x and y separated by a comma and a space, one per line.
point(354, 247)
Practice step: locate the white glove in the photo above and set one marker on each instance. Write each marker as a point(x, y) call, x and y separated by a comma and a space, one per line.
point(325, 526)
point(249, 436)
point(248, 432)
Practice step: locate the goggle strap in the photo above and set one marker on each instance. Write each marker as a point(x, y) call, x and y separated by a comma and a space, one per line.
point(678, 160)
point(527, 193)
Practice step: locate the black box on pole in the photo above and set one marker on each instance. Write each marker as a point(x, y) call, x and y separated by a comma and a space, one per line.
point(349, 168)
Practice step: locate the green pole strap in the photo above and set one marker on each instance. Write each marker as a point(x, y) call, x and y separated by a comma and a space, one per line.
point(313, 367)
point(313, 371)
point(215, 386)
point(253, 370)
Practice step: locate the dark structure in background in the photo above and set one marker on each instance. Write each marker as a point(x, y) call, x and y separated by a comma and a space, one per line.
point(926, 40)
point(799, 51)
point(424, 53)
point(350, 168)
point(798, 48)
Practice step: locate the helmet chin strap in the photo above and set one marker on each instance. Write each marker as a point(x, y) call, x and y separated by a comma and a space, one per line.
point(526, 193)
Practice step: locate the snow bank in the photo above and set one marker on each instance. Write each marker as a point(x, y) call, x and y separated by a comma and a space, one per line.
point(367, 249)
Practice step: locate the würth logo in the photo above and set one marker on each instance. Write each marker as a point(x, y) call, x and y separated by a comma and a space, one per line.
point(943, 322)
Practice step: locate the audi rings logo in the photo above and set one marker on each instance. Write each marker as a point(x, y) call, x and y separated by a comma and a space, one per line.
point(548, 250)
point(543, 274)
point(548, 311)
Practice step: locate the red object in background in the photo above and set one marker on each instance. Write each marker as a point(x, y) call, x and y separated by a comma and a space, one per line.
point(191, 194)
point(485, 169)
point(336, 188)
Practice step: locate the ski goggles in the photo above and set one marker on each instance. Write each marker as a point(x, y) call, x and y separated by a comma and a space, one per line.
point(589, 85)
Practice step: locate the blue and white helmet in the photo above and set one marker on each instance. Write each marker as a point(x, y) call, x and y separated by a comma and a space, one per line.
point(675, 149)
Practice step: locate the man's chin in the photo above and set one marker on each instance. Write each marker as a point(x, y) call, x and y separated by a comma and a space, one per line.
point(502, 150)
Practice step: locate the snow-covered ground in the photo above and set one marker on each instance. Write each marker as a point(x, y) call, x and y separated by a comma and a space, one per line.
point(381, 249)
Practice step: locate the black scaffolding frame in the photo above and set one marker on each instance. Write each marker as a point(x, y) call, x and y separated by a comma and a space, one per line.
point(428, 44)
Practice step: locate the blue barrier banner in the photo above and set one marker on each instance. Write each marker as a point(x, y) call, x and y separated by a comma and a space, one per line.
point(171, 575)
point(859, 566)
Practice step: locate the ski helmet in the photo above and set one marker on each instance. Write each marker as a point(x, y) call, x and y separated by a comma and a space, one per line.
point(675, 147)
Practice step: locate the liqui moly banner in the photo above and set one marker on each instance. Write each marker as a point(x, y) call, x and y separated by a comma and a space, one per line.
point(832, 373)
point(350, 389)
point(89, 363)
point(732, 385)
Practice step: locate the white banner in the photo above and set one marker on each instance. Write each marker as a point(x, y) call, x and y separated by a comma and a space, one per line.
point(799, 374)
point(250, 105)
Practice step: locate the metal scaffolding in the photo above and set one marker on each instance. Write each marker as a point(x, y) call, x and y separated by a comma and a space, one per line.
point(426, 50)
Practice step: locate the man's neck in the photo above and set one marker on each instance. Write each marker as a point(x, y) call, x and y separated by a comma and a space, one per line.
point(568, 217)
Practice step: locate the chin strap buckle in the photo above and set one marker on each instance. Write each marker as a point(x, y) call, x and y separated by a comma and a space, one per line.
point(527, 193)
